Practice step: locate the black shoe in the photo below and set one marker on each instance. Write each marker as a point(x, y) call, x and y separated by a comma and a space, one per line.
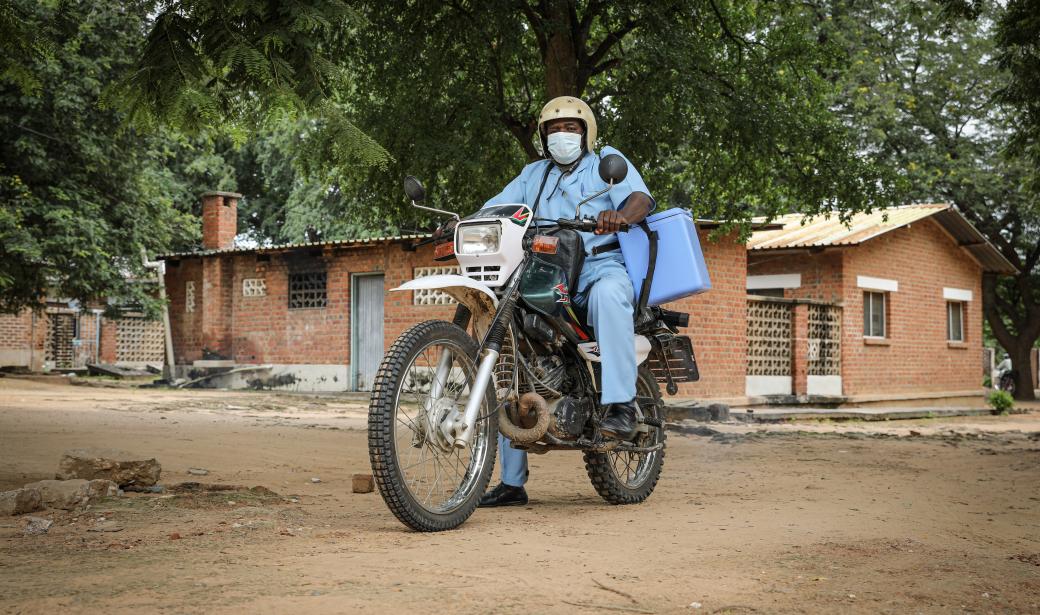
point(620, 421)
point(504, 495)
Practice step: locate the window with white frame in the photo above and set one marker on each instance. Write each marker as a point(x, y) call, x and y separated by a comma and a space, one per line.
point(874, 320)
point(955, 321)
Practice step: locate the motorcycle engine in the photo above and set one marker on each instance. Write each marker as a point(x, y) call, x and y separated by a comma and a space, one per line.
point(544, 375)
point(568, 417)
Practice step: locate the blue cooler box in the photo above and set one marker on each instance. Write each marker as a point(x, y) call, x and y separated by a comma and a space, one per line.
point(680, 270)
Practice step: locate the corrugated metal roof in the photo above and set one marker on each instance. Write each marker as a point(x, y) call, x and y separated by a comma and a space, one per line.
point(292, 246)
point(799, 231)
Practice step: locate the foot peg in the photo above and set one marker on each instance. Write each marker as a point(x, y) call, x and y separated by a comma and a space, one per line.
point(619, 421)
point(652, 421)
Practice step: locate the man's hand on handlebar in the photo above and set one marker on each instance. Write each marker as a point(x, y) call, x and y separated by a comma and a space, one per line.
point(589, 225)
point(610, 221)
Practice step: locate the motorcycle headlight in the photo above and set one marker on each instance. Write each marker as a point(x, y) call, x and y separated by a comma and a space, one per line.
point(479, 238)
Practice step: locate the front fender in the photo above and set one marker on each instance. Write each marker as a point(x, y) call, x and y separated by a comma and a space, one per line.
point(459, 287)
point(480, 299)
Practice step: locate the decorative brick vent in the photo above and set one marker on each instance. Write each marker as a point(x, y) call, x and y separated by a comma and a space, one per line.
point(769, 338)
point(254, 287)
point(308, 290)
point(824, 353)
point(433, 297)
point(189, 296)
point(139, 340)
point(61, 331)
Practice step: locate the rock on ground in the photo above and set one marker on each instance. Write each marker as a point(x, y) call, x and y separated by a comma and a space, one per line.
point(20, 501)
point(75, 493)
point(362, 483)
point(120, 467)
point(37, 525)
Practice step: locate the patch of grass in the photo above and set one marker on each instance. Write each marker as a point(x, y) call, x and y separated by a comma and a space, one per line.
point(1001, 401)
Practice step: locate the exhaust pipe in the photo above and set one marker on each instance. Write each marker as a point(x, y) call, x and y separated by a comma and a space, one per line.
point(530, 403)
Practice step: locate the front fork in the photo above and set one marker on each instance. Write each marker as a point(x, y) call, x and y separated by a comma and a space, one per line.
point(429, 417)
point(465, 425)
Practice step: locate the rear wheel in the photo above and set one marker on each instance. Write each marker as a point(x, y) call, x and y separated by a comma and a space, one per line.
point(1007, 383)
point(625, 477)
point(426, 482)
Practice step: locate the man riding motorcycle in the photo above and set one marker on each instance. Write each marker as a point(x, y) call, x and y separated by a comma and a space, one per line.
point(553, 188)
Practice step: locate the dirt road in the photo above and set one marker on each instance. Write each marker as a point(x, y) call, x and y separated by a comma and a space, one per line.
point(743, 521)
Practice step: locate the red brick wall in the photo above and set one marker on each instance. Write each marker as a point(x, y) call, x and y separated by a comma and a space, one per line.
point(718, 321)
point(917, 357)
point(107, 352)
point(399, 310)
point(264, 330)
point(821, 273)
point(21, 343)
point(186, 325)
point(16, 339)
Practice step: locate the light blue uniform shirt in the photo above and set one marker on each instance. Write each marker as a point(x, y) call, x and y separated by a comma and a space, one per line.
point(562, 193)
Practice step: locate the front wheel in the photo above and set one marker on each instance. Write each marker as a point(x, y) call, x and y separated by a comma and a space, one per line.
point(630, 478)
point(421, 389)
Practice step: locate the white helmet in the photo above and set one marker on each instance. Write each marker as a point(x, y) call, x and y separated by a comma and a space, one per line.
point(572, 108)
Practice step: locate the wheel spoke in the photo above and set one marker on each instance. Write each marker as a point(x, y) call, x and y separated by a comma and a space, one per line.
point(438, 477)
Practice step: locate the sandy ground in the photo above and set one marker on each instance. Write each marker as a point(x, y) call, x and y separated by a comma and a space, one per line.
point(817, 518)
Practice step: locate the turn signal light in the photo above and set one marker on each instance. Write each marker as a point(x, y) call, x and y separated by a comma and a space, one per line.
point(546, 244)
point(444, 250)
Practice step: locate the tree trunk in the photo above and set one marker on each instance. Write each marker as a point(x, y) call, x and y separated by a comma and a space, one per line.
point(1018, 345)
point(561, 55)
point(1022, 361)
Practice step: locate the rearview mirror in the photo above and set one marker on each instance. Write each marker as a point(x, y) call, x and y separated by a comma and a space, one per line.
point(613, 169)
point(414, 189)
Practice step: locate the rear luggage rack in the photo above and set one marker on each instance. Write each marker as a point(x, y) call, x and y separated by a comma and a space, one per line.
point(672, 360)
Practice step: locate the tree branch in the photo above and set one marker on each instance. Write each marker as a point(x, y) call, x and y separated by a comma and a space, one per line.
point(537, 25)
point(605, 66)
point(609, 41)
point(990, 307)
point(591, 11)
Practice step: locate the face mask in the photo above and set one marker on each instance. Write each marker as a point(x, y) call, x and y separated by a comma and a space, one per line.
point(565, 147)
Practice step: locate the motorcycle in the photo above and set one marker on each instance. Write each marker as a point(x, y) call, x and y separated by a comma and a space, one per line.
point(1005, 376)
point(516, 358)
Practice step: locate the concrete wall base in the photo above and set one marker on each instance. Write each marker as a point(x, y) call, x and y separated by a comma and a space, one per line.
point(15, 357)
point(276, 377)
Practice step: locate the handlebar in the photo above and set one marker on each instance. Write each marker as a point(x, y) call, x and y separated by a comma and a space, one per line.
point(587, 225)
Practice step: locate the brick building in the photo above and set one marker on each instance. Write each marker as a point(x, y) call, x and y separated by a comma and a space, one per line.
point(63, 335)
point(887, 306)
point(784, 317)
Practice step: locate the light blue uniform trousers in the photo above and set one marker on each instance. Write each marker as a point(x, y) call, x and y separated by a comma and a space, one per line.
point(607, 294)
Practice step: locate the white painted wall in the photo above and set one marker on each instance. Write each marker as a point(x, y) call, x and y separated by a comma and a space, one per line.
point(956, 294)
point(783, 280)
point(767, 385)
point(824, 385)
point(882, 284)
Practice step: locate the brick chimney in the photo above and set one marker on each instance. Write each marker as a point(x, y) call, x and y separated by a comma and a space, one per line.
point(219, 219)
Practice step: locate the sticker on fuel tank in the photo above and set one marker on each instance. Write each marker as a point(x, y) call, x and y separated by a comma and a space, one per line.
point(561, 294)
point(590, 350)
